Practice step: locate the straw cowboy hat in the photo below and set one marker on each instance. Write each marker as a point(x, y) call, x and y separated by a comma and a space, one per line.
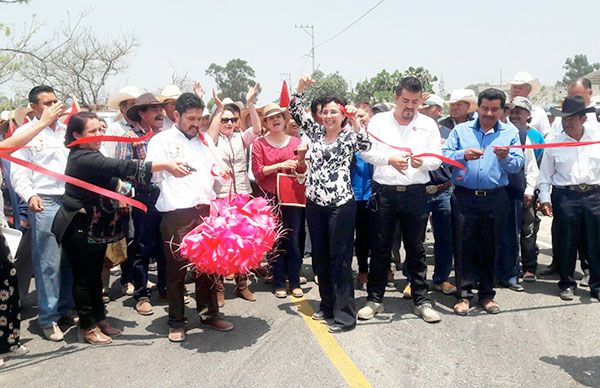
point(124, 94)
point(146, 99)
point(20, 113)
point(169, 92)
point(273, 109)
point(523, 77)
point(466, 95)
point(572, 106)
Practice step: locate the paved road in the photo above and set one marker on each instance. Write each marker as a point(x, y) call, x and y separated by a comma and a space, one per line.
point(537, 340)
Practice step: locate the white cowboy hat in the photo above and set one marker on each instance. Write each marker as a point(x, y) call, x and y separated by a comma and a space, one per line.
point(523, 77)
point(5, 115)
point(169, 92)
point(434, 100)
point(124, 94)
point(466, 95)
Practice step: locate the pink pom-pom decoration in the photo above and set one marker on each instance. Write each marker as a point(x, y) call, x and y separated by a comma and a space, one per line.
point(235, 240)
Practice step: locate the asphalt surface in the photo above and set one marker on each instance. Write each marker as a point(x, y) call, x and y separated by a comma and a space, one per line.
point(536, 340)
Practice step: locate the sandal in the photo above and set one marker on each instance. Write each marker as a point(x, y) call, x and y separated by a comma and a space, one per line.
point(297, 292)
point(281, 293)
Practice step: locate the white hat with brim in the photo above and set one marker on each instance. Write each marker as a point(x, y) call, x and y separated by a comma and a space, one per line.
point(466, 95)
point(124, 94)
point(433, 100)
point(169, 92)
point(5, 115)
point(523, 77)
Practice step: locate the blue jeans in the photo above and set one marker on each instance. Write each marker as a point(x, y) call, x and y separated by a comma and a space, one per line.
point(441, 221)
point(289, 261)
point(53, 275)
point(147, 243)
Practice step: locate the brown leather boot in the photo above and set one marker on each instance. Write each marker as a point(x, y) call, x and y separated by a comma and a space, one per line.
point(109, 329)
point(242, 290)
point(94, 336)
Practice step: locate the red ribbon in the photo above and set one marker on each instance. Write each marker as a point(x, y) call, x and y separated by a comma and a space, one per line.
point(344, 111)
point(444, 159)
point(77, 182)
point(120, 139)
point(403, 149)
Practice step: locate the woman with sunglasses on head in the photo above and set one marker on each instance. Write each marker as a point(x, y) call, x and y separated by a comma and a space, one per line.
point(330, 205)
point(272, 154)
point(232, 144)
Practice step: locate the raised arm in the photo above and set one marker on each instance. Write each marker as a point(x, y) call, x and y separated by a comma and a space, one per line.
point(213, 129)
point(250, 136)
point(298, 112)
point(21, 138)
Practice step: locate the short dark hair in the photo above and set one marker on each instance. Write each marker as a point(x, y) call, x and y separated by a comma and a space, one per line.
point(77, 125)
point(492, 94)
point(188, 101)
point(411, 84)
point(314, 105)
point(34, 94)
point(585, 82)
point(338, 100)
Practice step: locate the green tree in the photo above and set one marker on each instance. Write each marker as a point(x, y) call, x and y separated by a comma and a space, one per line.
point(381, 87)
point(233, 79)
point(330, 84)
point(576, 67)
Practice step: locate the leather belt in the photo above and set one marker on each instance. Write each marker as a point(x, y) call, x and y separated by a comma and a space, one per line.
point(582, 188)
point(479, 193)
point(400, 188)
point(434, 189)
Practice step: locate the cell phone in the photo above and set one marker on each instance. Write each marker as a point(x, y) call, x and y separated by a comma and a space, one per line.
point(190, 168)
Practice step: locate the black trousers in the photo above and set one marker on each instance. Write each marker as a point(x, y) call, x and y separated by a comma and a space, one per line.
point(331, 232)
point(174, 226)
point(363, 239)
point(529, 231)
point(479, 222)
point(409, 208)
point(87, 259)
point(577, 226)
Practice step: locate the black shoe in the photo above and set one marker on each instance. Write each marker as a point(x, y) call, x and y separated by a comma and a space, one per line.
point(513, 286)
point(337, 328)
point(567, 294)
point(549, 271)
point(320, 316)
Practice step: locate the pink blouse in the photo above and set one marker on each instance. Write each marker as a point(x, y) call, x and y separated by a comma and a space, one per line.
point(264, 154)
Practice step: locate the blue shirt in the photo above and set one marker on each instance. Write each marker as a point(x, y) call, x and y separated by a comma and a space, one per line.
point(488, 172)
point(536, 138)
point(361, 174)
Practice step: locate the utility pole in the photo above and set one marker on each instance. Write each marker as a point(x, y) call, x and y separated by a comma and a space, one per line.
point(305, 28)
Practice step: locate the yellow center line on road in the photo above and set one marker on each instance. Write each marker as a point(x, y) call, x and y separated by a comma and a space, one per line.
point(338, 357)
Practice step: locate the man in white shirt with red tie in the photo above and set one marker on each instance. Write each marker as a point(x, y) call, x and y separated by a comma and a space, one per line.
point(183, 203)
point(569, 185)
point(399, 194)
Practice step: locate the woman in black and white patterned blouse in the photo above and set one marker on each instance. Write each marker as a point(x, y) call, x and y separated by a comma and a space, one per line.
point(330, 206)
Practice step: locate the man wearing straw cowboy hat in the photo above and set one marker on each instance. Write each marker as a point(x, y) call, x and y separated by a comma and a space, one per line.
point(462, 104)
point(120, 102)
point(168, 96)
point(569, 185)
point(524, 85)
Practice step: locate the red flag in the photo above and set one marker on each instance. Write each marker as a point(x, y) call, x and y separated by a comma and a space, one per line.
point(284, 98)
point(73, 112)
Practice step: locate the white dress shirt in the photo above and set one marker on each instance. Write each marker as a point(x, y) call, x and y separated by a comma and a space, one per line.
point(48, 150)
point(570, 165)
point(194, 189)
point(118, 128)
point(539, 120)
point(420, 135)
point(167, 123)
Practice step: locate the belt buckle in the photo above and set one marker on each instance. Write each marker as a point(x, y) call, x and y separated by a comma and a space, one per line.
point(401, 189)
point(432, 189)
point(480, 193)
point(583, 187)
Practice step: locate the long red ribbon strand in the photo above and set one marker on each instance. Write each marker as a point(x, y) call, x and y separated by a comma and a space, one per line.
point(554, 145)
point(120, 139)
point(77, 182)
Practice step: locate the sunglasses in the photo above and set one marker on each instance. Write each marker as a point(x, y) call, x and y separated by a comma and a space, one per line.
point(232, 120)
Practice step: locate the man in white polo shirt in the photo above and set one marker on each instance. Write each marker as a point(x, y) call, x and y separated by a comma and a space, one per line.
point(399, 194)
point(183, 203)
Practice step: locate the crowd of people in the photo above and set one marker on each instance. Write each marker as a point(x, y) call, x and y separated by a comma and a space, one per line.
point(364, 180)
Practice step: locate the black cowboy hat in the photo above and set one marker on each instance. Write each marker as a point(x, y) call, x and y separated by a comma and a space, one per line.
point(146, 99)
point(571, 106)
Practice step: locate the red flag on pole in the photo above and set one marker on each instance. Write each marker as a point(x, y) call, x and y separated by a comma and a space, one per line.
point(73, 112)
point(284, 98)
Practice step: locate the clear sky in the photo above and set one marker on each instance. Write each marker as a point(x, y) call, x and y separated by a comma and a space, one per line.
point(464, 41)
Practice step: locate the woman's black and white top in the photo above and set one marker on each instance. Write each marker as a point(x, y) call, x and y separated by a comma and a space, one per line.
point(328, 182)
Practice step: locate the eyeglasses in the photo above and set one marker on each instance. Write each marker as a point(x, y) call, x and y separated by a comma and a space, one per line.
point(232, 120)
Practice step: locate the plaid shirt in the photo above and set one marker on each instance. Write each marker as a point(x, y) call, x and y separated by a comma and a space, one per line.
point(133, 151)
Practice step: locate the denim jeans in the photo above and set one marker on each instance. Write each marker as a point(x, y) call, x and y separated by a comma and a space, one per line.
point(410, 209)
point(331, 232)
point(289, 261)
point(53, 275)
point(363, 240)
point(441, 221)
point(147, 243)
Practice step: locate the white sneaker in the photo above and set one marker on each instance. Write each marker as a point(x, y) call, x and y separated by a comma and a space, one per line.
point(53, 333)
point(370, 310)
point(21, 350)
point(128, 289)
point(427, 313)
